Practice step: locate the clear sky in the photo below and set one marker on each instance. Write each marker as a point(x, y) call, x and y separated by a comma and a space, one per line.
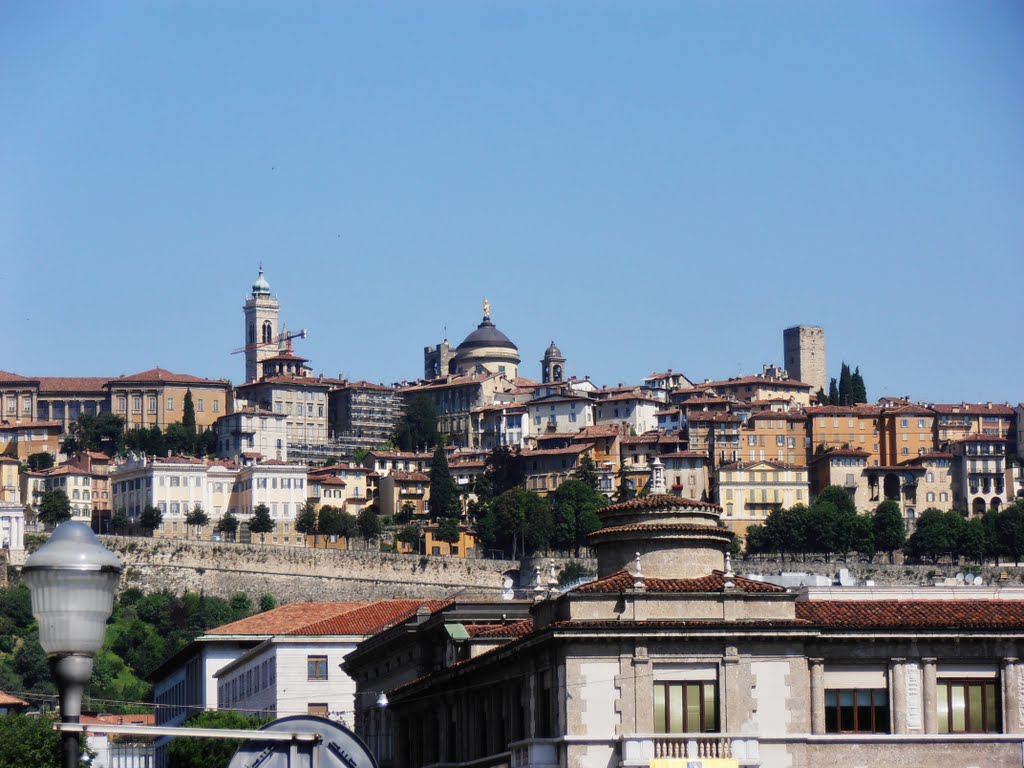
point(650, 184)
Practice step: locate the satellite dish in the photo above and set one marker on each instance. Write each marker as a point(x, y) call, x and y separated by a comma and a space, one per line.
point(338, 746)
point(978, 581)
point(959, 578)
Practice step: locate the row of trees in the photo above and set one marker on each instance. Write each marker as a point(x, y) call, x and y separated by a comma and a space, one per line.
point(996, 534)
point(830, 525)
point(106, 432)
point(849, 390)
point(333, 521)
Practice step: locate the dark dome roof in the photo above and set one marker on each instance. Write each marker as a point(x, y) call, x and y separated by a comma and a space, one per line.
point(486, 335)
point(553, 351)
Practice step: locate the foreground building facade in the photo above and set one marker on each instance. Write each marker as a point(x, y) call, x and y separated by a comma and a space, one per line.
point(670, 655)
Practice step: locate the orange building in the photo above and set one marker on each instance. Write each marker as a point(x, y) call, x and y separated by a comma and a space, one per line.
point(157, 398)
point(778, 436)
point(956, 421)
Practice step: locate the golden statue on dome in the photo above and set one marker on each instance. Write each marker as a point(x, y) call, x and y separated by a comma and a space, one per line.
point(487, 308)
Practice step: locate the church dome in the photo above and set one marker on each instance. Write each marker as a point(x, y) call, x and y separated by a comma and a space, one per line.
point(486, 335)
point(261, 287)
point(553, 351)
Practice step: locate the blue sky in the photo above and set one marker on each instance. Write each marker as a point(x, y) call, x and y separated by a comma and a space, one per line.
point(650, 184)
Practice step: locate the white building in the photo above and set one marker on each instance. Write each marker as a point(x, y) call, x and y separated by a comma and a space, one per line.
point(636, 410)
point(12, 528)
point(252, 432)
point(564, 414)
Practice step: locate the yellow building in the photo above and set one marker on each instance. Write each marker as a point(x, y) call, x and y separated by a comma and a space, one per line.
point(10, 488)
point(775, 436)
point(22, 439)
point(157, 398)
point(749, 491)
point(429, 544)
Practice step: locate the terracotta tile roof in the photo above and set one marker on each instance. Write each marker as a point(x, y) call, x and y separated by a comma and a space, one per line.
point(366, 620)
point(571, 449)
point(713, 582)
point(67, 384)
point(600, 430)
point(514, 629)
point(163, 376)
point(64, 469)
point(443, 383)
point(6, 377)
point(982, 439)
point(7, 700)
point(660, 528)
point(853, 452)
point(680, 624)
point(327, 480)
point(914, 614)
point(646, 437)
point(305, 381)
point(906, 409)
point(282, 620)
point(661, 501)
point(410, 477)
point(784, 415)
point(10, 460)
point(31, 425)
point(844, 410)
point(931, 455)
point(973, 409)
point(555, 436)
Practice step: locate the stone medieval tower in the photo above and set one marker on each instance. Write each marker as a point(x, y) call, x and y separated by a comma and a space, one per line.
point(804, 354)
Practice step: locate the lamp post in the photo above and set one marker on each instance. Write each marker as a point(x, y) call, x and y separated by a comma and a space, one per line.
point(382, 704)
point(72, 579)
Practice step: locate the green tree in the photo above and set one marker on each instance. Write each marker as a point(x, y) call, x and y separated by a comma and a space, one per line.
point(141, 647)
point(862, 535)
point(821, 397)
point(306, 522)
point(179, 440)
point(586, 471)
point(29, 741)
point(409, 534)
point(102, 432)
point(406, 513)
point(505, 469)
point(16, 604)
point(184, 752)
point(975, 544)
point(120, 522)
point(444, 493)
point(833, 393)
point(197, 518)
point(845, 385)
point(40, 461)
point(933, 536)
point(369, 523)
point(837, 495)
point(267, 602)
point(1010, 528)
point(228, 525)
point(359, 455)
point(151, 518)
point(448, 531)
point(519, 522)
point(188, 416)
point(261, 522)
point(858, 391)
point(337, 522)
point(889, 529)
point(574, 506)
point(417, 429)
point(54, 507)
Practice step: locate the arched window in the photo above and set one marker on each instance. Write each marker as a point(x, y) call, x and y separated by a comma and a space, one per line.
point(252, 334)
point(267, 332)
point(558, 373)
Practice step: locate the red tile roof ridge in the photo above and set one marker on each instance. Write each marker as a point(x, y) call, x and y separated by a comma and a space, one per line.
point(407, 477)
point(661, 501)
point(282, 619)
point(368, 619)
point(9, 700)
point(72, 383)
point(512, 629)
point(8, 376)
point(165, 376)
point(623, 580)
point(578, 448)
point(914, 614)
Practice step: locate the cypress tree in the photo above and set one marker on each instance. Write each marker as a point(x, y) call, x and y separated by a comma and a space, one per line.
point(444, 493)
point(822, 397)
point(833, 393)
point(859, 393)
point(845, 385)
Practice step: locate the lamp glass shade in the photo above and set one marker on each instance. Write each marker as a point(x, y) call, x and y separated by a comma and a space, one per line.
point(72, 579)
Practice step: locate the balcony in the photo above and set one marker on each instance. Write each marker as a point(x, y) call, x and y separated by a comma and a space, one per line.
point(640, 749)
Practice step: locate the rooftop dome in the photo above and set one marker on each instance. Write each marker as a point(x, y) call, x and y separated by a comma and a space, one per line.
point(552, 351)
point(486, 335)
point(261, 287)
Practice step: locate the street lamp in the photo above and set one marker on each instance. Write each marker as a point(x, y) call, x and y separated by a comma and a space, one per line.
point(382, 704)
point(72, 579)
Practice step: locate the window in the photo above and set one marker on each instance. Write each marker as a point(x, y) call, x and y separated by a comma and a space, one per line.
point(852, 710)
point(686, 707)
point(216, 406)
point(317, 710)
point(136, 405)
point(199, 405)
point(967, 706)
point(316, 667)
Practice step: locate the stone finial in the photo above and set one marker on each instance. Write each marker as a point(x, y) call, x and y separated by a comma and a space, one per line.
point(638, 575)
point(552, 575)
point(658, 477)
point(729, 575)
point(538, 581)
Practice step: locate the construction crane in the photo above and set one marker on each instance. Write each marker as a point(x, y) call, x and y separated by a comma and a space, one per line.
point(282, 338)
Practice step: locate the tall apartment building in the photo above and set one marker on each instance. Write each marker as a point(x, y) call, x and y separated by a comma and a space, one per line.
point(804, 354)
